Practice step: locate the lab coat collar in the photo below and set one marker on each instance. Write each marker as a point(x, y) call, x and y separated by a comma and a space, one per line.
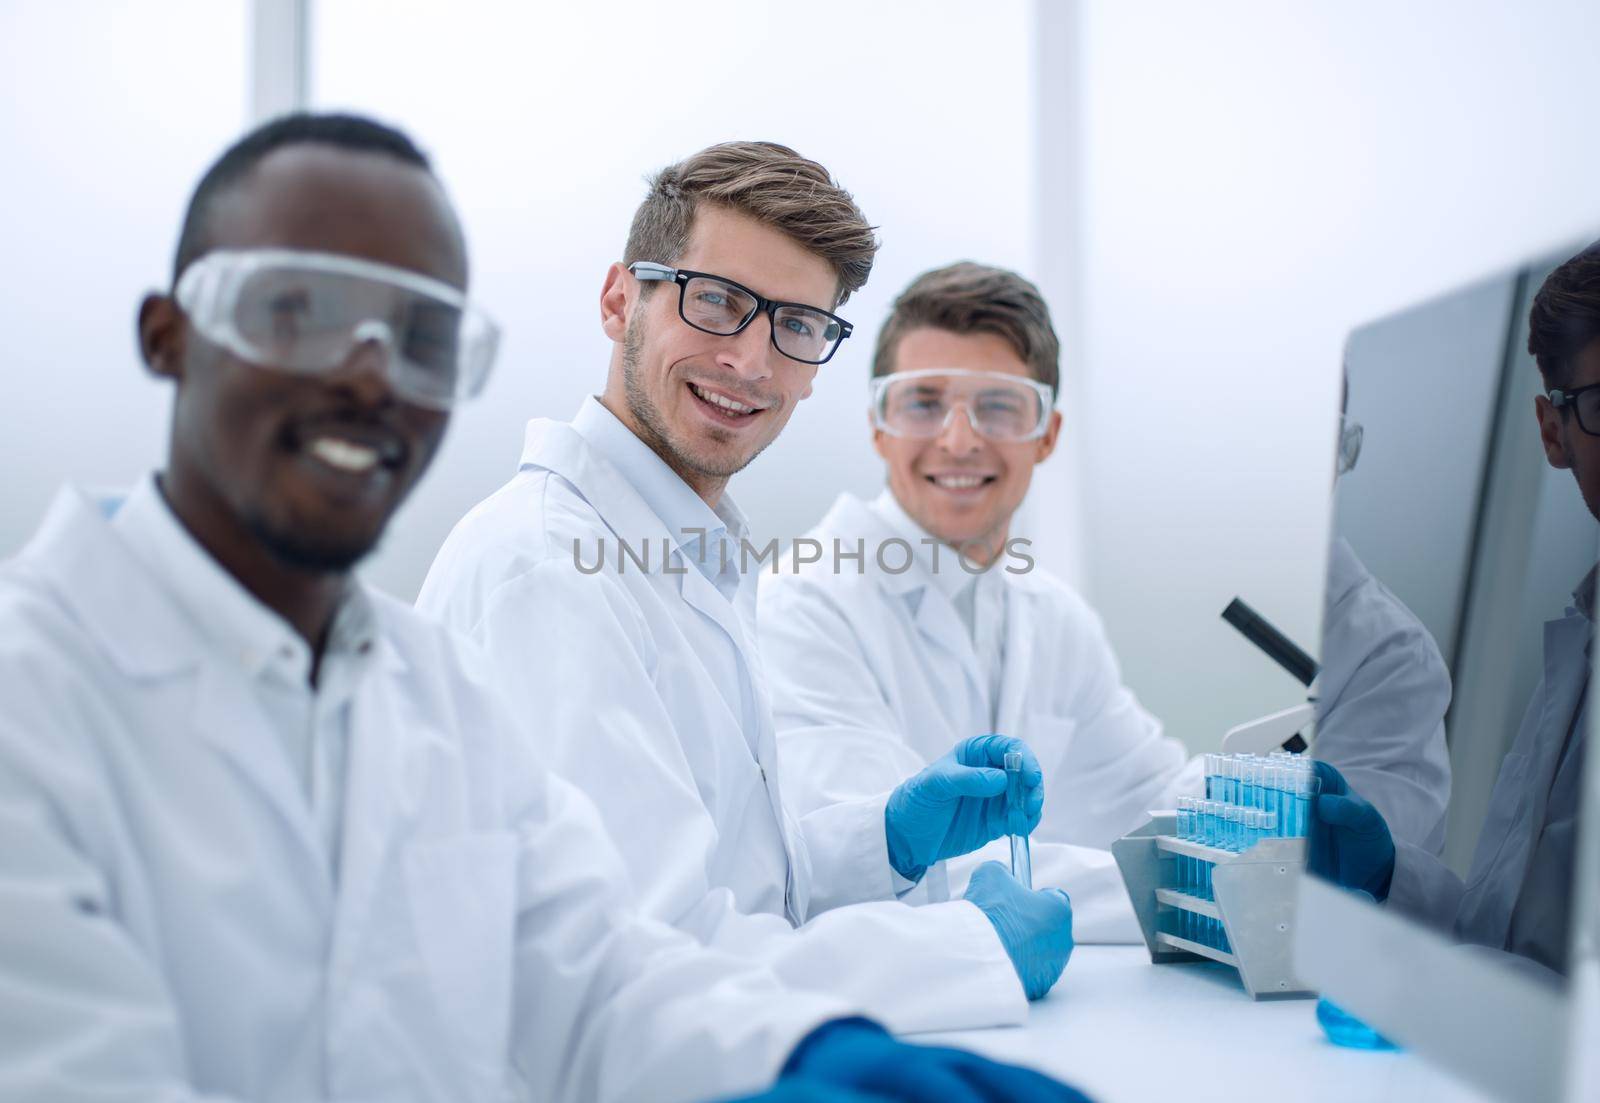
point(234, 622)
point(663, 489)
point(851, 519)
point(1566, 679)
point(82, 560)
point(887, 518)
point(130, 609)
point(558, 447)
point(120, 577)
point(601, 458)
point(951, 578)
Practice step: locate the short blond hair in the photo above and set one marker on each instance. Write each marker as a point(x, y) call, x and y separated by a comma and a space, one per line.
point(768, 182)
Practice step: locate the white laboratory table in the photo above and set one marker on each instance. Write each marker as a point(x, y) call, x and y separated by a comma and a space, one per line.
point(1122, 1029)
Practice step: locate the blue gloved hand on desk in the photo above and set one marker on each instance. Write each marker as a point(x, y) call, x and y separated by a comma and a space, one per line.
point(958, 803)
point(1350, 843)
point(1035, 926)
point(856, 1059)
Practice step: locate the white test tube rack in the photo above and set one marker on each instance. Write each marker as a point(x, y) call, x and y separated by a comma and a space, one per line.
point(1254, 894)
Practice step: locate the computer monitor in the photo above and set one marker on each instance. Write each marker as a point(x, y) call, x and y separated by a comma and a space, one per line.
point(1453, 694)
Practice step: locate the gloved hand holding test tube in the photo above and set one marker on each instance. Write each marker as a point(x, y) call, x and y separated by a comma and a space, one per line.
point(1016, 818)
point(1035, 927)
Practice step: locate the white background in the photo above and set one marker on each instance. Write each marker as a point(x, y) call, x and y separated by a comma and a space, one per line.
point(1213, 194)
point(1258, 178)
point(109, 113)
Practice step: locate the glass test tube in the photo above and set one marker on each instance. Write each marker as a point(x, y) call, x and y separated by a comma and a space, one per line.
point(1021, 857)
point(1182, 831)
point(1252, 827)
point(1208, 837)
point(1298, 801)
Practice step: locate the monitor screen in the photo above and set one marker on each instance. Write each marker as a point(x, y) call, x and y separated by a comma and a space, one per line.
point(1453, 697)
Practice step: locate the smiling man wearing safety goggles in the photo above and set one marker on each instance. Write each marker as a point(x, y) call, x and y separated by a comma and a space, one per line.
point(367, 353)
point(970, 636)
point(267, 833)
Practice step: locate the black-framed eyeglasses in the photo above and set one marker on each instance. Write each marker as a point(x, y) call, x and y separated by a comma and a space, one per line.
point(1582, 401)
point(713, 304)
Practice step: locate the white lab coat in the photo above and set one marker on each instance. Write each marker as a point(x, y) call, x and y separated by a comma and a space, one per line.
point(172, 928)
point(874, 675)
point(1381, 697)
point(1518, 894)
point(617, 666)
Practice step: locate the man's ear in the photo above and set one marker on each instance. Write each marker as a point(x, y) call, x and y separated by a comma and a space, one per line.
point(161, 336)
point(878, 438)
point(1052, 433)
point(616, 297)
point(812, 378)
point(1555, 449)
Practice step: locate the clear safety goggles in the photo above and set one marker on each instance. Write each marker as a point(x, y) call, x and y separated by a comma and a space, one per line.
point(998, 406)
point(1350, 434)
point(307, 312)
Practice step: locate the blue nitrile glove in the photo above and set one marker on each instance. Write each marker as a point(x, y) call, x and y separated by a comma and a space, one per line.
point(958, 803)
point(1035, 926)
point(1350, 843)
point(850, 1059)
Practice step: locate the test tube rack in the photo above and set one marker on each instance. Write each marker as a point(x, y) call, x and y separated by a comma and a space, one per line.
point(1255, 894)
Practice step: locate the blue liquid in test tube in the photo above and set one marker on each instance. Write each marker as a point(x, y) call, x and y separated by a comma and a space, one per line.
point(1274, 785)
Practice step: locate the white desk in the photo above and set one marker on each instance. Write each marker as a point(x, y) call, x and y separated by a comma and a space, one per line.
point(1122, 1029)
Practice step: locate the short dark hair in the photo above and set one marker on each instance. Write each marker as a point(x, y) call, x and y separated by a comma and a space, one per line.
point(349, 132)
point(770, 183)
point(975, 298)
point(1565, 316)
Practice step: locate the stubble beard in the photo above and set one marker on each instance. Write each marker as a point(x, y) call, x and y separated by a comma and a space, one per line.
point(653, 428)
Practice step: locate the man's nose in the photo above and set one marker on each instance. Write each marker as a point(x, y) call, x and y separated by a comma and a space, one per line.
point(364, 372)
point(959, 436)
point(749, 352)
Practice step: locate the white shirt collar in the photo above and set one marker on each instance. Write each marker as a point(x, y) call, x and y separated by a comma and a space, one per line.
point(681, 510)
point(950, 578)
point(979, 599)
point(221, 609)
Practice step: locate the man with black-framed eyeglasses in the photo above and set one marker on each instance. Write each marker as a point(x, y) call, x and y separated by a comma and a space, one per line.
point(613, 587)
